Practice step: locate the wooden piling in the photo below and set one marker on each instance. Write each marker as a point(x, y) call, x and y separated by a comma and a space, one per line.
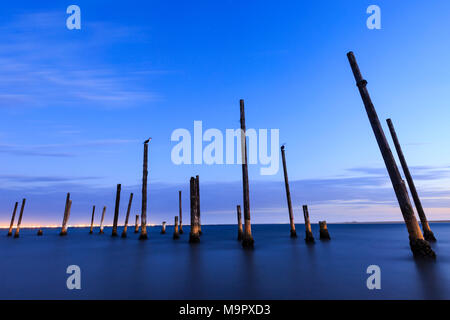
point(239, 218)
point(288, 194)
point(64, 228)
point(116, 211)
point(92, 220)
point(180, 212)
point(309, 238)
point(11, 225)
point(64, 223)
point(125, 227)
point(101, 221)
point(247, 241)
point(197, 183)
point(40, 232)
point(419, 246)
point(176, 234)
point(163, 228)
point(324, 235)
point(194, 236)
point(136, 226)
point(427, 233)
point(143, 235)
point(16, 234)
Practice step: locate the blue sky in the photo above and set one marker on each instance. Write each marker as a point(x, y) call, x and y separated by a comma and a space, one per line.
point(76, 105)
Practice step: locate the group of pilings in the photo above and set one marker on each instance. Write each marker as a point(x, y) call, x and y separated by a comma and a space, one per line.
point(11, 225)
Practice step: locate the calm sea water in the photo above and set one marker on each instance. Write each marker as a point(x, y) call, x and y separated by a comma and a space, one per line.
point(34, 267)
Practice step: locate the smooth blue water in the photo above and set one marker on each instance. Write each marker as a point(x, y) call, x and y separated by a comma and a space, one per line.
point(34, 267)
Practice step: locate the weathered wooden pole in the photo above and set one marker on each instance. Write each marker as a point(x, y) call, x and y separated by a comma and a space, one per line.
point(197, 183)
point(92, 220)
point(101, 220)
point(16, 234)
point(163, 228)
point(40, 232)
point(288, 195)
point(136, 225)
point(176, 234)
point(125, 227)
point(194, 236)
point(247, 241)
point(419, 246)
point(239, 219)
point(116, 211)
point(64, 223)
point(427, 233)
point(309, 238)
point(144, 235)
point(324, 235)
point(11, 225)
point(180, 212)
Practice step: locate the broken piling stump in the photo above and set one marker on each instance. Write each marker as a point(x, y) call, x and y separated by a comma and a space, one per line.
point(92, 221)
point(288, 195)
point(40, 232)
point(239, 219)
point(125, 227)
point(143, 235)
point(427, 233)
point(180, 212)
point(64, 223)
point(419, 246)
point(194, 236)
point(176, 234)
point(324, 235)
point(163, 228)
point(136, 225)
point(309, 238)
point(116, 211)
point(16, 234)
point(11, 225)
point(101, 220)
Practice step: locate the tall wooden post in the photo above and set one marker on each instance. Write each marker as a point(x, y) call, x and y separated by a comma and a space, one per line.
point(419, 246)
point(16, 234)
point(247, 241)
point(136, 226)
point(64, 223)
point(427, 233)
point(194, 236)
point(197, 183)
point(309, 238)
point(176, 234)
point(11, 225)
point(116, 211)
point(180, 212)
point(144, 235)
point(163, 228)
point(288, 195)
point(92, 220)
point(101, 221)
point(239, 219)
point(125, 227)
point(66, 220)
point(324, 235)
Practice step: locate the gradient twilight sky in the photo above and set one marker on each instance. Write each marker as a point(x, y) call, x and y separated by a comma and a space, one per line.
point(76, 105)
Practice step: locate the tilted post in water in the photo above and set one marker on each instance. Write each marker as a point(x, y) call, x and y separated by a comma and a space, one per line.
point(163, 228)
point(16, 234)
point(64, 223)
point(125, 227)
point(180, 212)
point(194, 236)
point(92, 220)
point(136, 225)
point(247, 241)
point(176, 234)
point(197, 184)
point(144, 235)
point(239, 219)
point(308, 233)
point(116, 211)
point(11, 225)
point(427, 233)
point(101, 221)
point(324, 235)
point(419, 246)
point(288, 195)
point(64, 228)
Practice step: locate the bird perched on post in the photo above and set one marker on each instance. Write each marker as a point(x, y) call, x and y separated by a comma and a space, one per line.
point(147, 141)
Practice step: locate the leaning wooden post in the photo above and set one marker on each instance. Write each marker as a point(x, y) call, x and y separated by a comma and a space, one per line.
point(180, 212)
point(197, 183)
point(144, 235)
point(163, 228)
point(101, 221)
point(92, 220)
point(116, 211)
point(288, 195)
point(16, 234)
point(125, 227)
point(64, 223)
point(176, 234)
point(419, 246)
point(194, 236)
point(324, 235)
point(308, 232)
point(136, 225)
point(247, 241)
point(11, 225)
point(427, 233)
point(239, 218)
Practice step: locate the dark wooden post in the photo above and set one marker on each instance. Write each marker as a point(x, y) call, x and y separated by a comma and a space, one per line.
point(427, 233)
point(180, 212)
point(136, 226)
point(116, 211)
point(247, 241)
point(64, 223)
point(308, 232)
point(101, 221)
point(125, 227)
point(163, 228)
point(239, 218)
point(176, 234)
point(419, 246)
point(64, 228)
point(197, 183)
point(11, 225)
point(144, 235)
point(324, 235)
point(288, 195)
point(40, 232)
point(16, 234)
point(92, 220)
point(194, 236)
